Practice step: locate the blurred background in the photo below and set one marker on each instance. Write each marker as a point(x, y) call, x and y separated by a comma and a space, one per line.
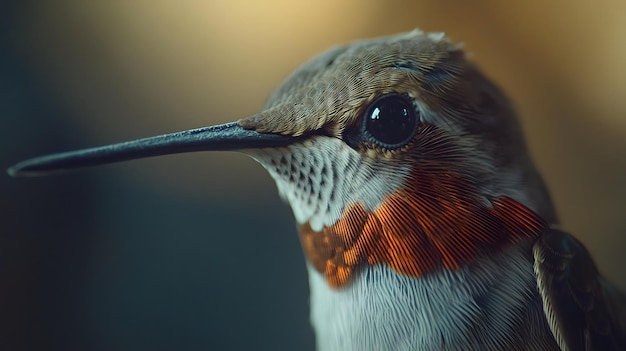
point(196, 251)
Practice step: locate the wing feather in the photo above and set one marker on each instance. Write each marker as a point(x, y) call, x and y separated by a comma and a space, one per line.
point(583, 310)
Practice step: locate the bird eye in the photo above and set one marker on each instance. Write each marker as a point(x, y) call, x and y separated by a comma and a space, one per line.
point(390, 121)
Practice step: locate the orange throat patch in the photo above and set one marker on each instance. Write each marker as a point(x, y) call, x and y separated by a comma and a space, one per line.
point(429, 225)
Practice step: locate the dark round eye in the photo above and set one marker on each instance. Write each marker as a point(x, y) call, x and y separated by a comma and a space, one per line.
point(390, 121)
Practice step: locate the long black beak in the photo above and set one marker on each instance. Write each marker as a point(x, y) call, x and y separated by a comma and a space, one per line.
point(229, 136)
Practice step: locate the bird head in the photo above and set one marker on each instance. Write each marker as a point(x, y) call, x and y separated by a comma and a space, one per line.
point(395, 151)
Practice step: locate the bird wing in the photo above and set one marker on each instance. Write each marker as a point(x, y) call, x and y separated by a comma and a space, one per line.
point(583, 310)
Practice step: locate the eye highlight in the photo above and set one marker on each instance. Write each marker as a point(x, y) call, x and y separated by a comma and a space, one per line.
point(390, 121)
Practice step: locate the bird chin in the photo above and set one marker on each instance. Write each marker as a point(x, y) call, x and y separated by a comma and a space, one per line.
point(322, 175)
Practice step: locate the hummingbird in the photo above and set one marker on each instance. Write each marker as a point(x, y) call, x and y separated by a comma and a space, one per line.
point(424, 223)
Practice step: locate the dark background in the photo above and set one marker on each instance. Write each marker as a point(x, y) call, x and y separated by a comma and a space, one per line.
point(197, 251)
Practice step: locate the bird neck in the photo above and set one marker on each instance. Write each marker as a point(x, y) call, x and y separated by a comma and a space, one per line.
point(484, 305)
point(436, 221)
